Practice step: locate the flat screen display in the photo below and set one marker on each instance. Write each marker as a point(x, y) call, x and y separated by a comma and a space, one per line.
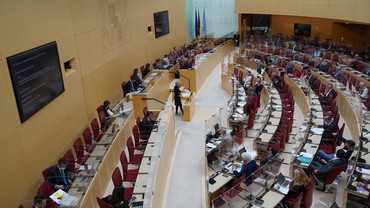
point(37, 78)
point(260, 22)
point(161, 23)
point(302, 29)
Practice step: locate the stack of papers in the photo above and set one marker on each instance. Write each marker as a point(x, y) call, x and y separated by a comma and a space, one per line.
point(62, 198)
point(306, 155)
point(318, 130)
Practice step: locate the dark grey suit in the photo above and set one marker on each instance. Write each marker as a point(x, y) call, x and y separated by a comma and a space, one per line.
point(323, 170)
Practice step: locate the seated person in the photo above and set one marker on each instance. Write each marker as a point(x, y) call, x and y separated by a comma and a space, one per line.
point(248, 167)
point(130, 86)
point(330, 127)
point(244, 119)
point(136, 76)
point(363, 92)
point(348, 148)
point(276, 81)
point(238, 133)
point(273, 151)
point(146, 70)
point(328, 93)
point(226, 141)
point(147, 124)
point(59, 176)
point(39, 201)
point(356, 61)
point(310, 78)
point(165, 62)
point(257, 88)
point(117, 199)
point(339, 74)
point(321, 169)
point(107, 111)
point(361, 184)
point(298, 185)
point(248, 80)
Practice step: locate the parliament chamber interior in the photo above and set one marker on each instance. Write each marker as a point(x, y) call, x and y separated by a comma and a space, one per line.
point(184, 103)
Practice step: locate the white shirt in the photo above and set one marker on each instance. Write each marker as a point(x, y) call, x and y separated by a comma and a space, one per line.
point(247, 81)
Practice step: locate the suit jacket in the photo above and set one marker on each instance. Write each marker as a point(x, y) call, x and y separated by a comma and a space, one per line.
point(323, 170)
point(146, 126)
point(129, 87)
point(177, 92)
point(329, 130)
point(248, 169)
point(55, 177)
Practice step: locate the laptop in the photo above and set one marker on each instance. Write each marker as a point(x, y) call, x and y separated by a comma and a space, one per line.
point(241, 151)
point(282, 181)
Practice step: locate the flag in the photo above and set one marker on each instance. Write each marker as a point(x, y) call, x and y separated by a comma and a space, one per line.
point(204, 24)
point(199, 27)
point(196, 25)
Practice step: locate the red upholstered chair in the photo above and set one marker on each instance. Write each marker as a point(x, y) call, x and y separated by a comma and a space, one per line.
point(134, 158)
point(340, 132)
point(104, 122)
point(45, 172)
point(88, 140)
point(103, 204)
point(142, 70)
point(236, 72)
point(139, 145)
point(46, 190)
point(138, 122)
point(236, 188)
point(125, 163)
point(96, 130)
point(329, 107)
point(117, 181)
point(79, 149)
point(123, 84)
point(100, 108)
point(145, 110)
point(294, 203)
point(308, 194)
point(20, 206)
point(332, 175)
point(70, 161)
point(335, 57)
point(331, 113)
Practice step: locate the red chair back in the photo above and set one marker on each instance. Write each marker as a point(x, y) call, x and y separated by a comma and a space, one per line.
point(100, 108)
point(45, 172)
point(79, 148)
point(130, 147)
point(20, 206)
point(117, 177)
point(142, 70)
point(103, 120)
point(334, 172)
point(138, 121)
point(307, 196)
point(297, 202)
point(87, 136)
point(95, 128)
point(145, 110)
point(124, 161)
point(123, 85)
point(103, 204)
point(70, 160)
point(46, 190)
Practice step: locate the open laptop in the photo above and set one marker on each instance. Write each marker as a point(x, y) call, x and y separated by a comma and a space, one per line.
point(282, 181)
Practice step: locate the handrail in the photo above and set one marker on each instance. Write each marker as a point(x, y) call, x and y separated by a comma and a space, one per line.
point(154, 100)
point(183, 77)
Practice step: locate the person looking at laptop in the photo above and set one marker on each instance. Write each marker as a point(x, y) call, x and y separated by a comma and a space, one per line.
point(59, 176)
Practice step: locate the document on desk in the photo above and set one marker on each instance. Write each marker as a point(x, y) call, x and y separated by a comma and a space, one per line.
point(239, 110)
point(318, 130)
point(283, 190)
point(186, 94)
point(89, 167)
point(229, 167)
point(210, 145)
point(62, 198)
point(241, 104)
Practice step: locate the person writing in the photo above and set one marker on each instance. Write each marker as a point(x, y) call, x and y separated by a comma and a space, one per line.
point(248, 167)
point(117, 199)
point(178, 96)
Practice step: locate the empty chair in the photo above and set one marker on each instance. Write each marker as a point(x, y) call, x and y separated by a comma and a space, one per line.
point(88, 140)
point(340, 132)
point(123, 85)
point(125, 163)
point(96, 130)
point(79, 149)
point(103, 204)
point(139, 139)
point(70, 161)
point(134, 158)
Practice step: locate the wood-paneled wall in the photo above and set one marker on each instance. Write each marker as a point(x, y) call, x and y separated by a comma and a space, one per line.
point(105, 46)
point(350, 10)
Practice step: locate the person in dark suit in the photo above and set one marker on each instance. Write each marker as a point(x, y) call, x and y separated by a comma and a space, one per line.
point(59, 176)
point(348, 148)
point(258, 88)
point(330, 127)
point(236, 39)
point(147, 123)
point(248, 167)
point(177, 96)
point(321, 169)
point(310, 78)
point(136, 76)
point(130, 87)
point(107, 111)
point(39, 201)
point(146, 70)
point(328, 93)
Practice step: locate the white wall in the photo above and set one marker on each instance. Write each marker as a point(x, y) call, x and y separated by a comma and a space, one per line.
point(221, 19)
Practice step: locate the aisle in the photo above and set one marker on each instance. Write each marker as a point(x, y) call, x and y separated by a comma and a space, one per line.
point(187, 184)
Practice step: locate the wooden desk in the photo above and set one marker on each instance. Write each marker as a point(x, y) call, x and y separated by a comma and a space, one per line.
point(199, 75)
point(270, 199)
point(189, 108)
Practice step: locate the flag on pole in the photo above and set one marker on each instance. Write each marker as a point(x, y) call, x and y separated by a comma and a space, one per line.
point(196, 25)
point(204, 24)
point(199, 27)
